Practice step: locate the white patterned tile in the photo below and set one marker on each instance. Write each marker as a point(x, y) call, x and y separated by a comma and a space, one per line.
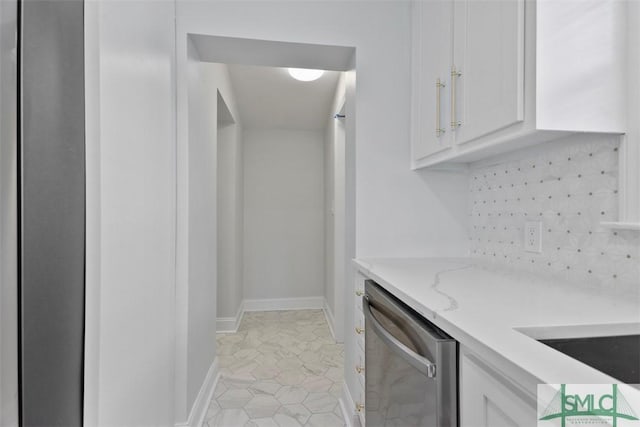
point(320, 402)
point(237, 381)
point(297, 411)
point(289, 363)
point(315, 368)
point(262, 422)
point(325, 420)
point(335, 374)
point(268, 364)
point(336, 390)
point(291, 394)
point(262, 406)
point(265, 387)
point(220, 388)
point(264, 372)
point(286, 420)
point(234, 398)
point(571, 188)
point(213, 410)
point(290, 377)
point(230, 418)
point(316, 383)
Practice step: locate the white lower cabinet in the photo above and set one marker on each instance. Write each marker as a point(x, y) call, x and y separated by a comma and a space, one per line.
point(358, 363)
point(489, 399)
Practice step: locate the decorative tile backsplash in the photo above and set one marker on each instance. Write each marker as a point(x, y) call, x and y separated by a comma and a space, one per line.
point(571, 186)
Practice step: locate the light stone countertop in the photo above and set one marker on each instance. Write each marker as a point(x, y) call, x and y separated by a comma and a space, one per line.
point(484, 309)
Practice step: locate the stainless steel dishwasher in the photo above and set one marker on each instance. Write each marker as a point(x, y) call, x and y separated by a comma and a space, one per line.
point(410, 366)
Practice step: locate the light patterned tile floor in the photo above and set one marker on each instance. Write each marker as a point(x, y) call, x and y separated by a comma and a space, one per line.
point(281, 369)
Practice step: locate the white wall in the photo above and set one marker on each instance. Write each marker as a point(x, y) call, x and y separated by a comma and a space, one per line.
point(131, 214)
point(230, 218)
point(284, 214)
point(328, 216)
point(336, 261)
point(196, 262)
point(201, 345)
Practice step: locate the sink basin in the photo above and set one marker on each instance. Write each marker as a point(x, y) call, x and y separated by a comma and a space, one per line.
point(616, 356)
point(613, 349)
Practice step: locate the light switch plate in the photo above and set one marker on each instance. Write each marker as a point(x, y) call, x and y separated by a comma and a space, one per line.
point(533, 236)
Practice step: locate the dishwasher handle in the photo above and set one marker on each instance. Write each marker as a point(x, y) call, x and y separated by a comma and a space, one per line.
point(416, 360)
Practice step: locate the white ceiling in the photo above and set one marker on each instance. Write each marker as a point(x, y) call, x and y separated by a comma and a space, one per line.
point(268, 97)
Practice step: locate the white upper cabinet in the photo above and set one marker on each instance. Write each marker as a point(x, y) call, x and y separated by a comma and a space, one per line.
point(517, 72)
point(488, 67)
point(431, 76)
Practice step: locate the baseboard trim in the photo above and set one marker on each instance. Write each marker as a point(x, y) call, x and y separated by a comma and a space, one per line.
point(227, 325)
point(328, 314)
point(271, 304)
point(201, 404)
point(347, 406)
point(230, 325)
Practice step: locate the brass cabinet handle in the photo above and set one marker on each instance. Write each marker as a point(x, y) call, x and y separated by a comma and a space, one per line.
point(454, 76)
point(359, 369)
point(359, 293)
point(359, 407)
point(359, 330)
point(439, 129)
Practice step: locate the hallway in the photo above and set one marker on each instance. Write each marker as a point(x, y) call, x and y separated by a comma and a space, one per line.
point(282, 368)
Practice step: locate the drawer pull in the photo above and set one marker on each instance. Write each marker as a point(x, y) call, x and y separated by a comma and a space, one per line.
point(359, 369)
point(359, 407)
point(359, 330)
point(359, 293)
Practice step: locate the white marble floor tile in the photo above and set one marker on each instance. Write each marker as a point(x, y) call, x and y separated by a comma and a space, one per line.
point(281, 369)
point(262, 406)
point(320, 402)
point(235, 417)
point(325, 420)
point(262, 422)
point(297, 411)
point(316, 383)
point(286, 420)
point(291, 394)
point(268, 387)
point(234, 398)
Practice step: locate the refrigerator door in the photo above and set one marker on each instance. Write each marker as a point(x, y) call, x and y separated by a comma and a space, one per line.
point(8, 214)
point(52, 212)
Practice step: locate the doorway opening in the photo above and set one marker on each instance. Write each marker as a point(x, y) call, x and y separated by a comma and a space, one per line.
point(283, 220)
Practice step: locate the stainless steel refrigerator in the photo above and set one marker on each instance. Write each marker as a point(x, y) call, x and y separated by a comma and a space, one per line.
point(42, 212)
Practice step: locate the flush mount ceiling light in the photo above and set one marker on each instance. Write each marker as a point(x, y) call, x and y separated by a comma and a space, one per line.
point(305, 74)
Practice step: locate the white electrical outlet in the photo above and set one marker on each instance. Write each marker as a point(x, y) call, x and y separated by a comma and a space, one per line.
point(533, 236)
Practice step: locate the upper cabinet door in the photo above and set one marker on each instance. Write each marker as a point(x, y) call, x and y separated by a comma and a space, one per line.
point(431, 53)
point(488, 54)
